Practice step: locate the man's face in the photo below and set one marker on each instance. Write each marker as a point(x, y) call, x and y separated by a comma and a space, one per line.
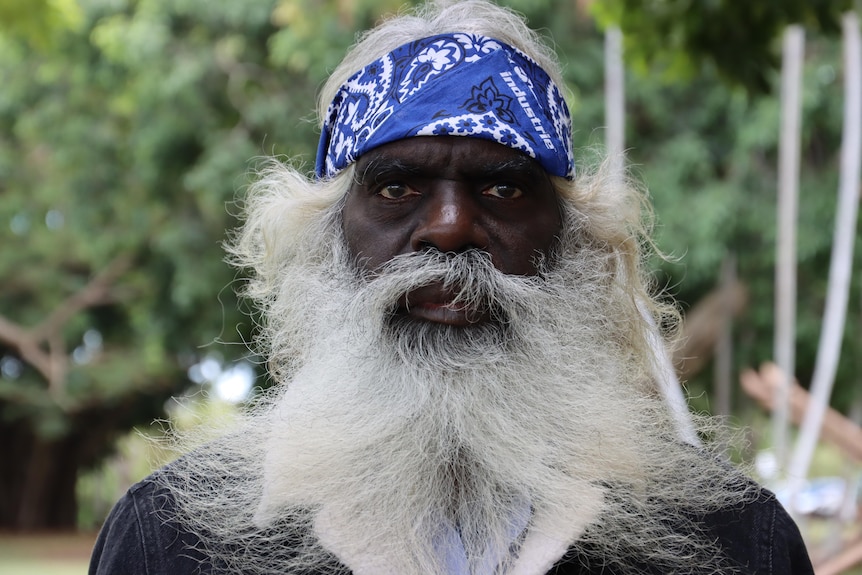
point(451, 194)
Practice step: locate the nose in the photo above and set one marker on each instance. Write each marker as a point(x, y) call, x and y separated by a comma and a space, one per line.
point(450, 223)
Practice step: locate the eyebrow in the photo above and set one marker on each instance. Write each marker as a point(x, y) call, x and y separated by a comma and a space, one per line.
point(386, 165)
point(520, 164)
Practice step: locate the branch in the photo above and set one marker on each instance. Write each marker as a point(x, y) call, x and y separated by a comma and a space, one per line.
point(59, 362)
point(22, 340)
point(703, 325)
point(53, 363)
point(837, 429)
point(95, 292)
point(846, 559)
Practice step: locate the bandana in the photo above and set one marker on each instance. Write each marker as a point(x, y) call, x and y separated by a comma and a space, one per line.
point(449, 85)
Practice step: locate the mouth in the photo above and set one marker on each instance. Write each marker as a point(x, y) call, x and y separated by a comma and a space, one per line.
point(434, 303)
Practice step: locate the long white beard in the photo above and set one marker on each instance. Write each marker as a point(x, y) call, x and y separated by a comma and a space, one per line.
point(385, 435)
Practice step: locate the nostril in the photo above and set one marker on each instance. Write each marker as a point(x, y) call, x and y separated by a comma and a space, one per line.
point(450, 234)
point(447, 242)
point(431, 248)
point(424, 246)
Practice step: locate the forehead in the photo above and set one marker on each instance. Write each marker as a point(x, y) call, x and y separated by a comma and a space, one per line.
point(448, 156)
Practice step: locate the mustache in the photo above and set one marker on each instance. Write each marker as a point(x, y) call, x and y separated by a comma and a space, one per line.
point(505, 315)
point(469, 279)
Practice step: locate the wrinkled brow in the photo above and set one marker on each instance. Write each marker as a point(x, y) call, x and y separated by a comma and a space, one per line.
point(520, 164)
point(384, 165)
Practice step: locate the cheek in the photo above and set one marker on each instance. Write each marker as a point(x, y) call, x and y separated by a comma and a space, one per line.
point(519, 258)
point(368, 242)
point(524, 243)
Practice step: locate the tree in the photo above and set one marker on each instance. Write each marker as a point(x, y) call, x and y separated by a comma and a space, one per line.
point(707, 151)
point(125, 137)
point(123, 142)
point(738, 40)
point(703, 135)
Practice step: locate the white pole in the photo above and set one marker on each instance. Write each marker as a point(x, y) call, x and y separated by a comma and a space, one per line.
point(668, 383)
point(785, 266)
point(615, 121)
point(840, 266)
point(615, 111)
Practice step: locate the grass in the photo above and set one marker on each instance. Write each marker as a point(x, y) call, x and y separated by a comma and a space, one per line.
point(45, 554)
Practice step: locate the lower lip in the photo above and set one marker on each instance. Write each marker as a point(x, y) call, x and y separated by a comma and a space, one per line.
point(446, 314)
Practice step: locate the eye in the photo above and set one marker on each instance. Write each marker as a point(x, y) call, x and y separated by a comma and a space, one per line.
point(503, 191)
point(396, 191)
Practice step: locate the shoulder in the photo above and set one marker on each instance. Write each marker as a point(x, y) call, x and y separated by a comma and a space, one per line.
point(139, 536)
point(761, 536)
point(754, 537)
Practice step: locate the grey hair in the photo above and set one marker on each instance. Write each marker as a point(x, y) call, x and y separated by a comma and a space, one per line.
point(283, 207)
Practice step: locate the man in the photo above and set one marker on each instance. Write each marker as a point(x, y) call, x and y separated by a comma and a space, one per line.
point(459, 329)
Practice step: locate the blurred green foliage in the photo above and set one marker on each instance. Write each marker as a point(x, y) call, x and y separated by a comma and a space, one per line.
point(704, 139)
point(677, 38)
point(128, 127)
point(39, 22)
point(709, 153)
point(124, 139)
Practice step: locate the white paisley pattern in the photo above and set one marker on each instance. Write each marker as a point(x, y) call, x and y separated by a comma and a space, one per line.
point(449, 85)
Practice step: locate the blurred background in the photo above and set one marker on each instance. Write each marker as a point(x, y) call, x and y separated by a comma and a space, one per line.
point(128, 129)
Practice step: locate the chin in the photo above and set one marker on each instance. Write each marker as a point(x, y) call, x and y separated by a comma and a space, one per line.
point(435, 345)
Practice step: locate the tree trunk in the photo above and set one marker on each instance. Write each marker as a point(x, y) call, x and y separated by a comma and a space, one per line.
point(47, 499)
point(39, 475)
point(702, 327)
point(38, 479)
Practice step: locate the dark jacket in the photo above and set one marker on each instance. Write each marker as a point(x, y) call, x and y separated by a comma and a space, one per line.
point(136, 539)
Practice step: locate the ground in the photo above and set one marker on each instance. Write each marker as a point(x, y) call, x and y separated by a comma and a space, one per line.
point(45, 554)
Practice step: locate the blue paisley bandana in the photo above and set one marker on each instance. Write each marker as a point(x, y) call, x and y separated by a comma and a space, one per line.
point(449, 85)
